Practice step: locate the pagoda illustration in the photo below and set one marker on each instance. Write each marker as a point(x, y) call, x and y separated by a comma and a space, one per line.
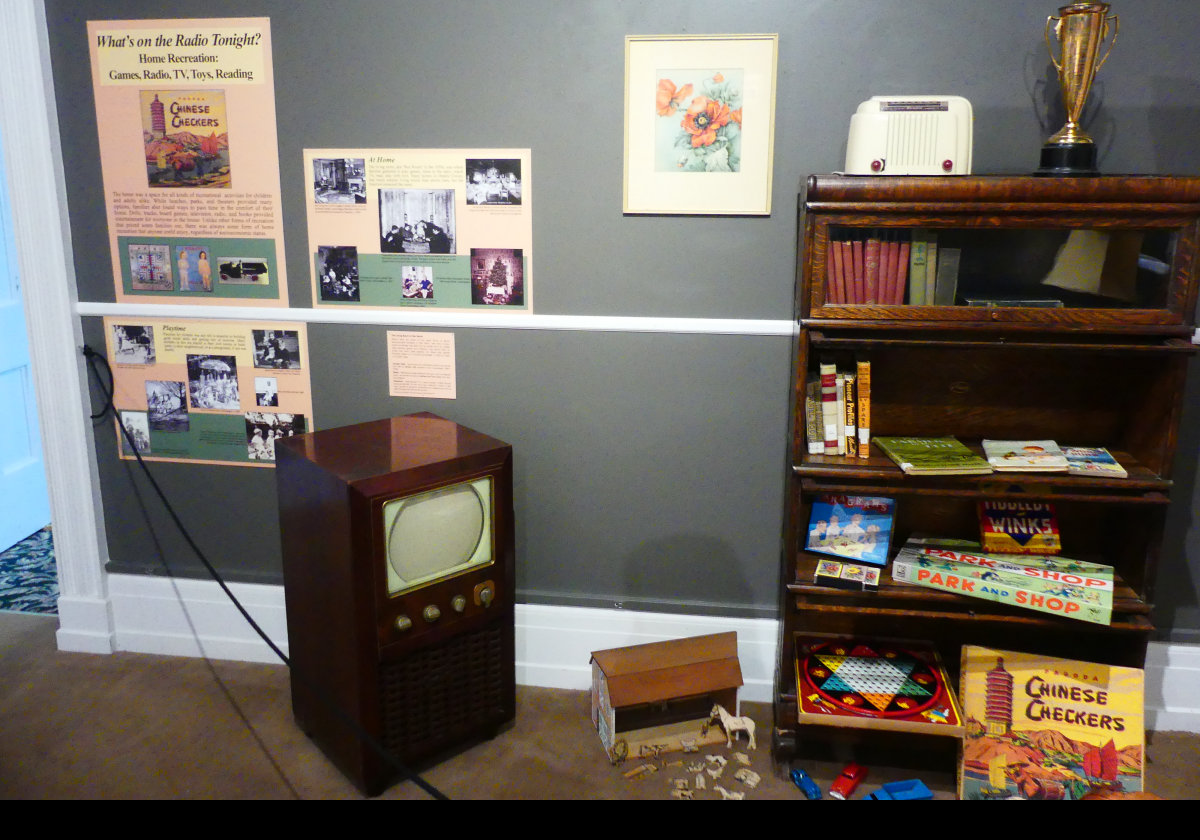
point(999, 703)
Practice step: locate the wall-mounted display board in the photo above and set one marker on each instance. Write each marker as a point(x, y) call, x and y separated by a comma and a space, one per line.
point(429, 228)
point(216, 392)
point(185, 112)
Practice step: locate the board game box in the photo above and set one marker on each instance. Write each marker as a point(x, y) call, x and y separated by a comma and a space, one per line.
point(1038, 727)
point(855, 528)
point(874, 684)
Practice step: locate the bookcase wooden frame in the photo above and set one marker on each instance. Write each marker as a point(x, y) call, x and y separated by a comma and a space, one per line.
point(1088, 375)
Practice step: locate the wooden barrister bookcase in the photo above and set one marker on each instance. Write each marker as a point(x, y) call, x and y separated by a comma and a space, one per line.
point(1047, 335)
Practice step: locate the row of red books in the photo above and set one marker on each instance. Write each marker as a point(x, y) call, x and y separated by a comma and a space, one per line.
point(868, 267)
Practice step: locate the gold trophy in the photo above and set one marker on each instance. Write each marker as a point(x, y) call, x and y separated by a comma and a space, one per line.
point(1081, 30)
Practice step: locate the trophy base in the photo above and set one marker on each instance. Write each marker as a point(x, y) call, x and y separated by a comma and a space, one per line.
point(1068, 159)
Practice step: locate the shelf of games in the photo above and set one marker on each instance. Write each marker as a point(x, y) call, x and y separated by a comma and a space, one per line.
point(981, 313)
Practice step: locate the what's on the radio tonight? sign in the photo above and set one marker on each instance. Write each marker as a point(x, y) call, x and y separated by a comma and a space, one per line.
point(185, 55)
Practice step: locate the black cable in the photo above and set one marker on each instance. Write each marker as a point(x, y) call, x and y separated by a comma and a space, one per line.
point(109, 408)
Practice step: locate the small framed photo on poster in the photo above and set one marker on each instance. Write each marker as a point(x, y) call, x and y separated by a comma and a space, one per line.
point(699, 124)
point(855, 528)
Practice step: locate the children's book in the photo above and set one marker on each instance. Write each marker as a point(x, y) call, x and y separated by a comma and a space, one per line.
point(1094, 461)
point(1025, 455)
point(1038, 727)
point(1008, 527)
point(932, 456)
point(857, 528)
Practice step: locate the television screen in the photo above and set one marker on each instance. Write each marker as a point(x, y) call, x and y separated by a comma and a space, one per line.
point(437, 534)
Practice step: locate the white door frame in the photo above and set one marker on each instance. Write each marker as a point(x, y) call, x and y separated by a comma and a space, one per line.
point(43, 239)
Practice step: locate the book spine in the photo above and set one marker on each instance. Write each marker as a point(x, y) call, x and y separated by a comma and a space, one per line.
point(871, 264)
point(856, 260)
point(840, 396)
point(931, 264)
point(850, 409)
point(918, 251)
point(902, 261)
point(814, 423)
point(965, 580)
point(887, 269)
point(863, 427)
point(852, 291)
point(829, 407)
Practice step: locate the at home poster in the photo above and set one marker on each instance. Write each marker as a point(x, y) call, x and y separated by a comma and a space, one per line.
point(216, 392)
point(185, 112)
point(420, 228)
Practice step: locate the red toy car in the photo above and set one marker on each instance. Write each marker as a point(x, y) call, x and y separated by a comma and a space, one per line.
point(852, 774)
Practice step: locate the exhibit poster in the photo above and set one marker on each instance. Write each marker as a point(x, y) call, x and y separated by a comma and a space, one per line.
point(185, 113)
point(214, 392)
point(420, 228)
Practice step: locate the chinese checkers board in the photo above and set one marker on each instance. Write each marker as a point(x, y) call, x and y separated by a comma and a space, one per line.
point(874, 684)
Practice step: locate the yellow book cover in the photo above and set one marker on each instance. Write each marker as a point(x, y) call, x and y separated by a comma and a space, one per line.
point(1039, 727)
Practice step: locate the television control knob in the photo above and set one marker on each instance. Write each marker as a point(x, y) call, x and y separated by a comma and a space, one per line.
point(459, 603)
point(431, 613)
point(485, 593)
point(403, 623)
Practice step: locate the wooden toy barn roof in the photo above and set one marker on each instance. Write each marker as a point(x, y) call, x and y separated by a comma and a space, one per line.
point(663, 671)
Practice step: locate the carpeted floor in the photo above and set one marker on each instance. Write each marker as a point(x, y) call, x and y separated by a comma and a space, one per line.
point(28, 578)
point(135, 726)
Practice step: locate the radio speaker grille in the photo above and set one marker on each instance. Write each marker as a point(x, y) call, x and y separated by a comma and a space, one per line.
point(434, 696)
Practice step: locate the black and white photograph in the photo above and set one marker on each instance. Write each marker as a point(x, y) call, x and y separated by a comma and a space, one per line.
point(167, 404)
point(266, 391)
point(493, 181)
point(136, 423)
point(418, 282)
point(243, 271)
point(264, 428)
point(497, 276)
point(277, 349)
point(416, 221)
point(337, 268)
point(339, 181)
point(213, 382)
point(133, 345)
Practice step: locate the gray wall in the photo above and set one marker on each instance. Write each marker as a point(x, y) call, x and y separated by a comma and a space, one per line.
point(649, 467)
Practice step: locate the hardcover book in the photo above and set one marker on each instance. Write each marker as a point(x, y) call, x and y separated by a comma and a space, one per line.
point(933, 456)
point(1077, 596)
point(853, 527)
point(874, 684)
point(831, 409)
point(863, 385)
point(1094, 461)
point(1025, 455)
point(1038, 727)
point(1009, 527)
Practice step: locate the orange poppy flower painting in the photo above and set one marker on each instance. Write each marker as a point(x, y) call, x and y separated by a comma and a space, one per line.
point(699, 121)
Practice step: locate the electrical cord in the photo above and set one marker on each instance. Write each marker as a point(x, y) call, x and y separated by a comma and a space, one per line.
point(109, 408)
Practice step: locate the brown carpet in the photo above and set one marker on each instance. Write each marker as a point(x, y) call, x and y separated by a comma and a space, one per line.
point(135, 726)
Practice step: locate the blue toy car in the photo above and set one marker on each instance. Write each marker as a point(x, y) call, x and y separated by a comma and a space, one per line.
point(909, 789)
point(807, 786)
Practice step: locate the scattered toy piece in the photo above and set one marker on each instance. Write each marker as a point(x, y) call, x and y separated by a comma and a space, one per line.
point(728, 794)
point(700, 783)
point(732, 724)
point(715, 771)
point(748, 777)
point(846, 782)
point(682, 794)
point(807, 786)
point(907, 789)
point(695, 767)
point(718, 760)
point(641, 771)
point(742, 759)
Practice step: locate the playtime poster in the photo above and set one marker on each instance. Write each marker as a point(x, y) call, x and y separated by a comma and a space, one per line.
point(215, 392)
point(185, 112)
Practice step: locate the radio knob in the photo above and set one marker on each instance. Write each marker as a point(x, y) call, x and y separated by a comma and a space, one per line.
point(403, 623)
point(459, 603)
point(431, 613)
point(486, 595)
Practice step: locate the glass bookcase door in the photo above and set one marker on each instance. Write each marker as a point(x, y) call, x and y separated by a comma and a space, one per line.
point(979, 270)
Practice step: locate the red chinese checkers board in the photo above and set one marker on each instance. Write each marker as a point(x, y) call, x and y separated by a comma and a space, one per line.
point(874, 684)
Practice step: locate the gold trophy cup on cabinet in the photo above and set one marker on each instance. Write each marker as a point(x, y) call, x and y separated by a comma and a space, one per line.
point(1080, 29)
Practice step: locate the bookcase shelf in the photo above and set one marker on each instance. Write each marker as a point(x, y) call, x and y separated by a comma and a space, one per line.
point(1103, 364)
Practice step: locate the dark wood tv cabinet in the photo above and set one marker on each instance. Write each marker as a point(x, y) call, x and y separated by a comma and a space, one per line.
point(1096, 359)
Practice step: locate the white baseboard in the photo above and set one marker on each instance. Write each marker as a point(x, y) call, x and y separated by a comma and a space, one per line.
point(178, 617)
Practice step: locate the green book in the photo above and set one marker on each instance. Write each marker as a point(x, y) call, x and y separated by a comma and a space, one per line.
point(933, 456)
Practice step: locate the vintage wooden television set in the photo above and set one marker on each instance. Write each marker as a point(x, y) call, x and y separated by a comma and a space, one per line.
point(398, 563)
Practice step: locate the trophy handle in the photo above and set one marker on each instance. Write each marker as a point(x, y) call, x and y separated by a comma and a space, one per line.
point(1116, 27)
point(1050, 49)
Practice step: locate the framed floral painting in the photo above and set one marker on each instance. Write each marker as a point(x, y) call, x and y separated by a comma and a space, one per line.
point(699, 124)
